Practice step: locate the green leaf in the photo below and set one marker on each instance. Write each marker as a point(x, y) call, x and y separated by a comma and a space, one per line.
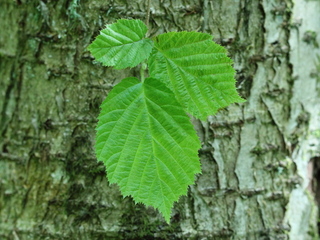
point(196, 69)
point(147, 143)
point(121, 44)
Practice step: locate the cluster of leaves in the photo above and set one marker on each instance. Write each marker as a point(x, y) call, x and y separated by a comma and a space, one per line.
point(144, 135)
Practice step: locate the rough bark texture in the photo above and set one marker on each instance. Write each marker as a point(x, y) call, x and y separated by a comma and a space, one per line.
point(255, 156)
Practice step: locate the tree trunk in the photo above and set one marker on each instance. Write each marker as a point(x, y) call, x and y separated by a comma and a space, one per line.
point(257, 157)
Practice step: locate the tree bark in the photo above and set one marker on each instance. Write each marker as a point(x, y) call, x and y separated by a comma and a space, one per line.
point(257, 158)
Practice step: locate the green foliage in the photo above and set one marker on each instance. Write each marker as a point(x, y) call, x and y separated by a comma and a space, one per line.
point(147, 143)
point(196, 69)
point(144, 136)
point(122, 44)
